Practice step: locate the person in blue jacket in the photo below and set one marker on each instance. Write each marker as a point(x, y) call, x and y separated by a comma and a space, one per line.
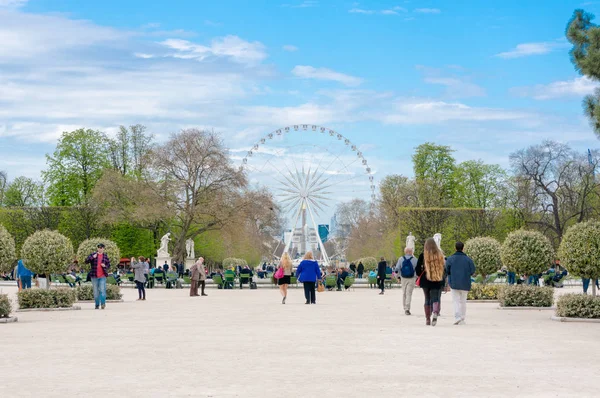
point(24, 274)
point(309, 273)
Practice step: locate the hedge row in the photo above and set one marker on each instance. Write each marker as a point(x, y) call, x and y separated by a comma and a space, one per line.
point(86, 292)
point(526, 296)
point(578, 306)
point(483, 292)
point(46, 298)
point(5, 306)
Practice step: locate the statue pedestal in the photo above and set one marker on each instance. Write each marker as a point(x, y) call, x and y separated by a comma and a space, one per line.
point(189, 262)
point(160, 261)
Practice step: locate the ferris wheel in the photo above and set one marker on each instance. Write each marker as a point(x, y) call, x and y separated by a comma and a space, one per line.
point(311, 169)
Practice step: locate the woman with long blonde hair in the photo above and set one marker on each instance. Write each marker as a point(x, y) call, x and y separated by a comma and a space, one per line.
point(284, 281)
point(432, 276)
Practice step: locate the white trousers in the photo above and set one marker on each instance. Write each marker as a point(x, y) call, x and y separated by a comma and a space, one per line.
point(408, 285)
point(459, 297)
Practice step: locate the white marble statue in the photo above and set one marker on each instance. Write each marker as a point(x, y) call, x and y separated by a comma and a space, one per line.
point(163, 250)
point(410, 241)
point(438, 240)
point(189, 248)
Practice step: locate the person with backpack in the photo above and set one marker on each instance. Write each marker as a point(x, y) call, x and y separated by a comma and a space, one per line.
point(406, 269)
point(460, 268)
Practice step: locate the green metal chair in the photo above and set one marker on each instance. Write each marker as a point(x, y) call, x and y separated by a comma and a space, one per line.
point(188, 281)
point(130, 276)
point(230, 280)
point(372, 281)
point(349, 282)
point(245, 278)
point(54, 278)
point(110, 280)
point(218, 280)
point(330, 281)
point(172, 279)
point(389, 280)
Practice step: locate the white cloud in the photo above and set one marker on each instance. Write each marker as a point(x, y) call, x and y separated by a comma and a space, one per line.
point(304, 4)
point(428, 10)
point(310, 72)
point(578, 87)
point(12, 3)
point(290, 48)
point(390, 11)
point(527, 49)
point(453, 77)
point(233, 47)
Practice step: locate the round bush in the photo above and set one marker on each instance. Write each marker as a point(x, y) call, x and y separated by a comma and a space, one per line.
point(486, 254)
point(578, 306)
point(7, 250)
point(89, 246)
point(5, 306)
point(47, 252)
point(483, 292)
point(527, 252)
point(368, 262)
point(579, 251)
point(42, 298)
point(233, 262)
point(526, 296)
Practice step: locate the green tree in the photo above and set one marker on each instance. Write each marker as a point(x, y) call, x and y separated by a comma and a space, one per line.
point(480, 185)
point(7, 250)
point(76, 165)
point(47, 252)
point(579, 251)
point(24, 192)
point(434, 168)
point(396, 191)
point(128, 150)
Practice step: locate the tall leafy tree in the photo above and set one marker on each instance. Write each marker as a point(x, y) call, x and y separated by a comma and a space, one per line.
point(396, 191)
point(24, 192)
point(585, 55)
point(480, 185)
point(76, 165)
point(128, 149)
point(434, 168)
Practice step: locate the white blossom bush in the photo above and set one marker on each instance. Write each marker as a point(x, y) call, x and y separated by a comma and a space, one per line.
point(368, 262)
point(527, 252)
point(485, 253)
point(579, 251)
point(89, 246)
point(5, 306)
point(233, 262)
point(47, 252)
point(7, 250)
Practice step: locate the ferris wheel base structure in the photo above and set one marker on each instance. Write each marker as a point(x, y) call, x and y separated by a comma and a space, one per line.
point(304, 193)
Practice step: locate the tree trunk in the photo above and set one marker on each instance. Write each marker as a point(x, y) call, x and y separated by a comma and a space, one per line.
point(593, 282)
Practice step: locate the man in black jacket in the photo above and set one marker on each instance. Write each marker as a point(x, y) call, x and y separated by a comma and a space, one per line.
point(360, 269)
point(381, 274)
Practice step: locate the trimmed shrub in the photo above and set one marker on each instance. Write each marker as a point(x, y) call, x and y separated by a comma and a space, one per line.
point(485, 253)
point(89, 246)
point(233, 262)
point(7, 250)
point(86, 292)
point(527, 252)
point(5, 306)
point(369, 262)
point(526, 296)
point(47, 252)
point(42, 298)
point(579, 250)
point(578, 306)
point(483, 292)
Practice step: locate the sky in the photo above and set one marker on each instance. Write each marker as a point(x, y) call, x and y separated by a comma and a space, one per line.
point(485, 77)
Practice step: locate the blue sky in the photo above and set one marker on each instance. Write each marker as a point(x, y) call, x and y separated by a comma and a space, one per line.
point(486, 77)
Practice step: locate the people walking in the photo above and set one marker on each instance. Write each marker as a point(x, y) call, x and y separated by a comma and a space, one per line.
point(360, 269)
point(431, 274)
point(198, 277)
point(586, 284)
point(139, 270)
point(460, 268)
point(309, 273)
point(406, 269)
point(100, 264)
point(285, 275)
point(381, 274)
point(24, 275)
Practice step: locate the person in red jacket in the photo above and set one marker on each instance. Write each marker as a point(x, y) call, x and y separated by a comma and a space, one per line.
point(100, 264)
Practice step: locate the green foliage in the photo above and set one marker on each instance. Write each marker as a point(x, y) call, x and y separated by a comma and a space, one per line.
point(480, 185)
point(579, 250)
point(133, 241)
point(578, 306)
point(233, 262)
point(7, 250)
point(76, 165)
point(43, 298)
point(527, 252)
point(86, 292)
point(89, 246)
point(5, 306)
point(485, 253)
point(526, 296)
point(368, 262)
point(585, 37)
point(23, 191)
point(484, 292)
point(434, 168)
point(47, 252)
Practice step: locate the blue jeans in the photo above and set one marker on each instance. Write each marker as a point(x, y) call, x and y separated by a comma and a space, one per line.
point(26, 282)
point(99, 285)
point(511, 278)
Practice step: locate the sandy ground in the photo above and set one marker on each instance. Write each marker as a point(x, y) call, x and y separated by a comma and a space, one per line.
point(246, 344)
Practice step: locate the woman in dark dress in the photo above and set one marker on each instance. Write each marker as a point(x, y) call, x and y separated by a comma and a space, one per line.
point(432, 275)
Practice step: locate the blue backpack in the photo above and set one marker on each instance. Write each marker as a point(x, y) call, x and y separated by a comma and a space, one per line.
point(407, 270)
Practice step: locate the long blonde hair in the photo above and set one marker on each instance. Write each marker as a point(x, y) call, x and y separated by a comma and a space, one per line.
point(286, 262)
point(434, 261)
